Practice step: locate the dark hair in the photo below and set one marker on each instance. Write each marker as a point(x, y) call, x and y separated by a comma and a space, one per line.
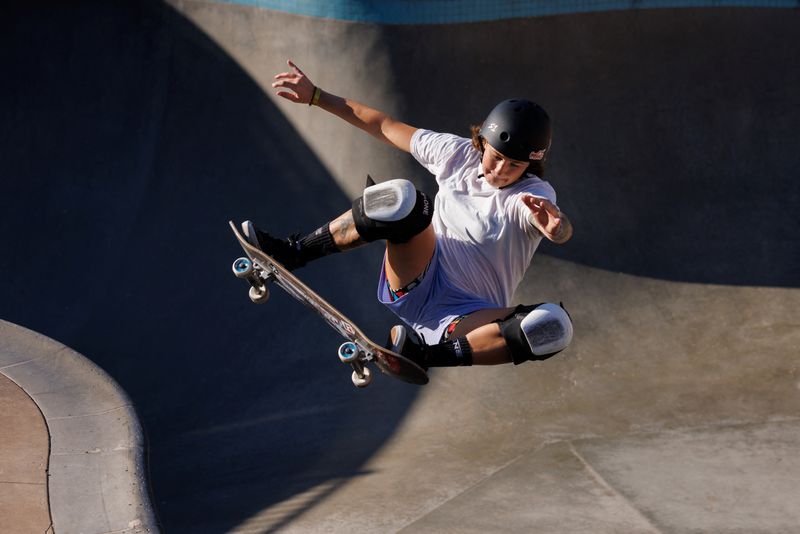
point(536, 167)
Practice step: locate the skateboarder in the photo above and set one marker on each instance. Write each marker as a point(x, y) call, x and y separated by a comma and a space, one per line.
point(450, 270)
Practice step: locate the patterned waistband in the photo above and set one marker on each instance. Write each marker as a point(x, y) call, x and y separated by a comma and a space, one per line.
point(395, 294)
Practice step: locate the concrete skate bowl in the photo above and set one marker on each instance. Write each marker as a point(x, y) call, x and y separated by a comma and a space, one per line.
point(133, 132)
point(129, 140)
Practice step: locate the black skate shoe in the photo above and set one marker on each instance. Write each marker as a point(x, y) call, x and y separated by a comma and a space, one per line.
point(288, 252)
point(406, 342)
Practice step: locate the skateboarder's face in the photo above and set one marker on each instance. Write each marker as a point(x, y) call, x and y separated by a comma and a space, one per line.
point(499, 170)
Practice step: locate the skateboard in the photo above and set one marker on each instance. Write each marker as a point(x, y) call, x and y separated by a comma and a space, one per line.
point(260, 270)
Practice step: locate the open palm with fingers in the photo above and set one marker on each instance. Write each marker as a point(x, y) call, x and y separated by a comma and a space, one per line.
point(294, 85)
point(545, 216)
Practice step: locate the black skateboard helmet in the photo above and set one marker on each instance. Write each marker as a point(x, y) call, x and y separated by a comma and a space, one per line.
point(519, 129)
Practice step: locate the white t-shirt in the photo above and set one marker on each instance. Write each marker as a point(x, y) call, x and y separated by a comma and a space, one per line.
point(486, 241)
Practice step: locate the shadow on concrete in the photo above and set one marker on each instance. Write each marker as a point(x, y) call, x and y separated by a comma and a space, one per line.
point(128, 141)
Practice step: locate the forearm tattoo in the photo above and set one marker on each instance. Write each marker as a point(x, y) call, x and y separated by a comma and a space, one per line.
point(343, 230)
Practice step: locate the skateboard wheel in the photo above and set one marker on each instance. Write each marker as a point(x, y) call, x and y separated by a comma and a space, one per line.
point(242, 267)
point(259, 295)
point(348, 352)
point(362, 381)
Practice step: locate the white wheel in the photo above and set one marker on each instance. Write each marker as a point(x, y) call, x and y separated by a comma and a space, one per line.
point(259, 295)
point(242, 267)
point(362, 382)
point(348, 352)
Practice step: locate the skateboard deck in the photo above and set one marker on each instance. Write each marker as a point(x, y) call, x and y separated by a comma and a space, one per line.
point(261, 270)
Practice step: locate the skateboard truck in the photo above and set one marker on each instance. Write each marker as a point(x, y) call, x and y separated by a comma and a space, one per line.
point(243, 268)
point(351, 353)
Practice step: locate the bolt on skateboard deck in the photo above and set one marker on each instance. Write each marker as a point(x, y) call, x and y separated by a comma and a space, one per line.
point(260, 270)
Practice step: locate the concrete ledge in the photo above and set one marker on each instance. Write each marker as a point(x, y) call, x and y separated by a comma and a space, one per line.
point(98, 476)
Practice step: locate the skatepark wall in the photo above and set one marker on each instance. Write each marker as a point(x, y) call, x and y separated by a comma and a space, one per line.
point(134, 130)
point(609, 79)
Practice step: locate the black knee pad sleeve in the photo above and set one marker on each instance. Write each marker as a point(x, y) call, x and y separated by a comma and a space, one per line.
point(394, 231)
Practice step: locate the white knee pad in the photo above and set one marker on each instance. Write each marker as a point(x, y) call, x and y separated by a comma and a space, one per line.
point(392, 210)
point(390, 201)
point(548, 329)
point(536, 332)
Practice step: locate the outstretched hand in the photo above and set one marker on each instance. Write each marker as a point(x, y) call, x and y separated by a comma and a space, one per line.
point(294, 85)
point(548, 219)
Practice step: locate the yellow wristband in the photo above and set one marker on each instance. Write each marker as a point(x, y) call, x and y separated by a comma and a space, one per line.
point(315, 99)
